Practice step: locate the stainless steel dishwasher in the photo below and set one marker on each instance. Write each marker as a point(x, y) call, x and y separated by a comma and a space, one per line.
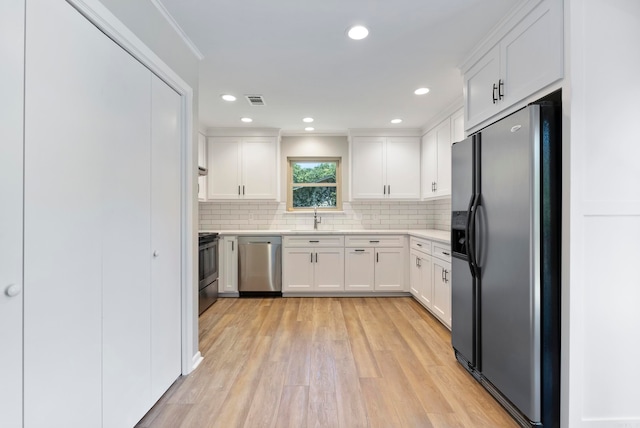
point(260, 266)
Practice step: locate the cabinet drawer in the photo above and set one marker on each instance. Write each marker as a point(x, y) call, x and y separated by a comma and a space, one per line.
point(314, 241)
point(420, 245)
point(442, 251)
point(365, 241)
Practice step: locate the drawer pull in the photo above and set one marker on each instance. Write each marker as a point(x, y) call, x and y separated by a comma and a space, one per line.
point(314, 241)
point(359, 250)
point(373, 242)
point(445, 253)
point(419, 245)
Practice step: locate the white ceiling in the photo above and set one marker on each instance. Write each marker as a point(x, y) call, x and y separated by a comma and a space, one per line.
point(295, 54)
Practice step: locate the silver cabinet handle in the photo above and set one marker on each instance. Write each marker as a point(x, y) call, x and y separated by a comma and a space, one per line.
point(238, 190)
point(12, 290)
point(316, 257)
point(377, 257)
point(389, 189)
point(243, 189)
point(232, 245)
point(311, 254)
point(384, 189)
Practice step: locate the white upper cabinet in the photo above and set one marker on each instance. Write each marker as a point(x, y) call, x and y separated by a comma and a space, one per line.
point(385, 168)
point(202, 162)
point(242, 168)
point(436, 156)
point(528, 57)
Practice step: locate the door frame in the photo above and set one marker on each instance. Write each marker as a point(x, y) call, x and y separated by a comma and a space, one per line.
point(110, 25)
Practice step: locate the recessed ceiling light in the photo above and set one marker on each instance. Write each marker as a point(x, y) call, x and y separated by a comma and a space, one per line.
point(246, 119)
point(358, 32)
point(309, 128)
point(421, 91)
point(396, 121)
point(228, 97)
point(307, 119)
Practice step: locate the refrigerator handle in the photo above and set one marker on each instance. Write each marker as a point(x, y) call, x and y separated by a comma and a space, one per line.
point(472, 231)
point(467, 231)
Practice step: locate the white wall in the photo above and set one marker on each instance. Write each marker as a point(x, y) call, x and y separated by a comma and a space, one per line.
point(601, 343)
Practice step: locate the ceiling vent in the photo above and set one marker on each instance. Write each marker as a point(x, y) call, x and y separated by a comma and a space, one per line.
point(255, 100)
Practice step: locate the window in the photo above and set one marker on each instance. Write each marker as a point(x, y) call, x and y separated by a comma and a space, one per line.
point(314, 182)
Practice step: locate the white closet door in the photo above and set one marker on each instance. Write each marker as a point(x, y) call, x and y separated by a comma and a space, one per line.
point(126, 228)
point(11, 187)
point(68, 70)
point(165, 238)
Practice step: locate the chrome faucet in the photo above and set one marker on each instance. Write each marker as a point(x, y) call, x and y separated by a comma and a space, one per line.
point(316, 220)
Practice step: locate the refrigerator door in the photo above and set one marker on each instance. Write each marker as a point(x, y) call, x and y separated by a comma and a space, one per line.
point(508, 244)
point(463, 296)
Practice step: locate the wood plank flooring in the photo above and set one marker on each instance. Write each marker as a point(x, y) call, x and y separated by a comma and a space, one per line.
point(325, 362)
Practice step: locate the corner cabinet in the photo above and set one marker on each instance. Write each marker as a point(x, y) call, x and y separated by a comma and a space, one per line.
point(436, 156)
point(526, 59)
point(430, 276)
point(385, 167)
point(242, 168)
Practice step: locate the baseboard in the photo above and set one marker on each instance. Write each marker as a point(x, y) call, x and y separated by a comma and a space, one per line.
point(350, 294)
point(196, 360)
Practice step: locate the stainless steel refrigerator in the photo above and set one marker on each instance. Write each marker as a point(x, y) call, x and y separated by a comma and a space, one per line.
point(506, 200)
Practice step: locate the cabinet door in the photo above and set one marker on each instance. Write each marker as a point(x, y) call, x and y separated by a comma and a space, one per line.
point(297, 269)
point(229, 268)
point(11, 225)
point(223, 162)
point(532, 53)
point(429, 163)
point(389, 269)
point(202, 161)
point(165, 238)
point(478, 88)
point(426, 290)
point(403, 168)
point(359, 274)
point(367, 168)
point(415, 274)
point(442, 291)
point(443, 136)
point(329, 269)
point(457, 126)
point(259, 175)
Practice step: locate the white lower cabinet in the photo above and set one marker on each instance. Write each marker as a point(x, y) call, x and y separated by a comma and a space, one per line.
point(228, 282)
point(430, 275)
point(442, 290)
point(372, 267)
point(312, 269)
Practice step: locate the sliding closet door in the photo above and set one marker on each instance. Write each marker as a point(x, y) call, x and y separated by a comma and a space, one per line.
point(165, 237)
point(87, 227)
point(11, 186)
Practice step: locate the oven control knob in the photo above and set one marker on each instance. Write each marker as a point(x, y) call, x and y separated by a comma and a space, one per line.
point(12, 290)
point(156, 253)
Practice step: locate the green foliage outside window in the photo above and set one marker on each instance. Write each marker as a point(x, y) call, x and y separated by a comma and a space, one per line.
point(314, 184)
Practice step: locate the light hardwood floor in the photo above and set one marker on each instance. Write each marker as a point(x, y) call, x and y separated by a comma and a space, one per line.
point(325, 362)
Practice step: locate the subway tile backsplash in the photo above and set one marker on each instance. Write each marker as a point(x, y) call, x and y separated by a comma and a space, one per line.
point(374, 215)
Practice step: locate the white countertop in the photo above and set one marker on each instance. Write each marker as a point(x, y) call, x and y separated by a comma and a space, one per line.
point(432, 234)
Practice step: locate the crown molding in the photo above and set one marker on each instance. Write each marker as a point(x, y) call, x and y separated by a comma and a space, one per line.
point(165, 13)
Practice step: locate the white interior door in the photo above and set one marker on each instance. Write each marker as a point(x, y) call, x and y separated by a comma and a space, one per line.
point(165, 237)
point(66, 130)
point(11, 226)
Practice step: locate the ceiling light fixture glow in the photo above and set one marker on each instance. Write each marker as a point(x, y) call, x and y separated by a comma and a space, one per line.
point(421, 91)
point(357, 32)
point(396, 121)
point(228, 97)
point(246, 119)
point(309, 128)
point(307, 119)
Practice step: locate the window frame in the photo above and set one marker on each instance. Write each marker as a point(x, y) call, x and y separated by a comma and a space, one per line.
point(315, 159)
